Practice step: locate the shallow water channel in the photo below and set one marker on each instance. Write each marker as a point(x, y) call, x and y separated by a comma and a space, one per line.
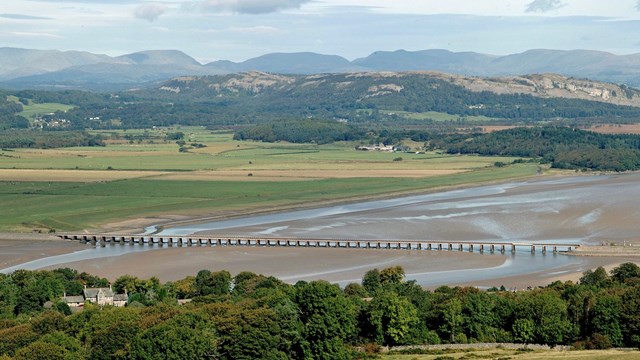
point(580, 209)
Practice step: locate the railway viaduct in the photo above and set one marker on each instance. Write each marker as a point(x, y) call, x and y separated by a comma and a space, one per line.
point(471, 246)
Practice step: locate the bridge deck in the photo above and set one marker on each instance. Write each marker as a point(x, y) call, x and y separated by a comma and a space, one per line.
point(409, 244)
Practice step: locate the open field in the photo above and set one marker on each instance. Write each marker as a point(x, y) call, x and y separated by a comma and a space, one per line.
point(275, 175)
point(32, 110)
point(496, 353)
point(80, 205)
point(88, 187)
point(494, 128)
point(72, 175)
point(616, 128)
point(222, 153)
point(434, 115)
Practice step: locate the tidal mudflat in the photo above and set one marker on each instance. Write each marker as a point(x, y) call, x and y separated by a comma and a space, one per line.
point(580, 209)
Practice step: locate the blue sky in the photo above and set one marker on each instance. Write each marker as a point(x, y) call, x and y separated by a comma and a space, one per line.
point(240, 29)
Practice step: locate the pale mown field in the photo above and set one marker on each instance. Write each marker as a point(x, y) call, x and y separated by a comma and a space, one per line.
point(616, 129)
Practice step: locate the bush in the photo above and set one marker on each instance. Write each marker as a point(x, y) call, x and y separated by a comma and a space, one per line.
point(432, 338)
point(598, 342)
point(175, 136)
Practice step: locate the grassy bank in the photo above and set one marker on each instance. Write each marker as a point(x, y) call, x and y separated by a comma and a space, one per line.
point(74, 205)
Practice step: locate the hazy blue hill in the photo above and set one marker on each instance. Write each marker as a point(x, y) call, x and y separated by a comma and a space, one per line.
point(16, 62)
point(466, 63)
point(596, 65)
point(292, 63)
point(225, 66)
point(106, 76)
point(160, 57)
point(572, 62)
point(26, 68)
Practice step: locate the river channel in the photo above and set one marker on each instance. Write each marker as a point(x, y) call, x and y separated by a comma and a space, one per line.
point(578, 210)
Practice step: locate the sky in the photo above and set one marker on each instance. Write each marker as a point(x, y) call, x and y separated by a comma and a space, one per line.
point(237, 30)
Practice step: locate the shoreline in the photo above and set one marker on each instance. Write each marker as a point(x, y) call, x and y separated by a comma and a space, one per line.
point(333, 265)
point(21, 248)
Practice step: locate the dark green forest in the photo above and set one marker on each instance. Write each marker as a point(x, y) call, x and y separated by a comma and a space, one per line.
point(50, 139)
point(8, 117)
point(250, 316)
point(301, 131)
point(562, 147)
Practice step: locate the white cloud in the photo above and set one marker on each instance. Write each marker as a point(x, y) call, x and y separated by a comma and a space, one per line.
point(91, 1)
point(251, 6)
point(23, 17)
point(255, 29)
point(543, 6)
point(27, 34)
point(150, 11)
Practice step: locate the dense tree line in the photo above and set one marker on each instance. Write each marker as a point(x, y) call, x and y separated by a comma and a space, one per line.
point(563, 147)
point(9, 118)
point(250, 316)
point(51, 139)
point(300, 131)
point(321, 132)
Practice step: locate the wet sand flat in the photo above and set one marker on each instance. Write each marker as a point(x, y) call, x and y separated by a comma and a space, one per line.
point(589, 209)
point(287, 264)
point(582, 209)
point(21, 248)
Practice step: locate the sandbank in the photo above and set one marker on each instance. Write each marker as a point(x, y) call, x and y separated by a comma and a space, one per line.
point(287, 264)
point(18, 249)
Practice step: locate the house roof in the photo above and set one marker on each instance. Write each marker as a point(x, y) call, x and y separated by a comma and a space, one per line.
point(120, 297)
point(73, 299)
point(93, 292)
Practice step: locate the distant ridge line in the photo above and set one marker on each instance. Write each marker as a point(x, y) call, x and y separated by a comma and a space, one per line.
point(40, 68)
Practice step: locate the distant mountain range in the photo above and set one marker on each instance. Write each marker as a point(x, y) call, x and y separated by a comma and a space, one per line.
point(23, 68)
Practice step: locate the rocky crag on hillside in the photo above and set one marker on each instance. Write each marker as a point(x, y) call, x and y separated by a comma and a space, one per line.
point(374, 84)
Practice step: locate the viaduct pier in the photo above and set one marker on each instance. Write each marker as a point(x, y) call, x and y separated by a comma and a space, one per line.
point(441, 245)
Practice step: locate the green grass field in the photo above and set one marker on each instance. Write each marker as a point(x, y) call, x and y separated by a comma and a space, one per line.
point(432, 115)
point(47, 198)
point(75, 205)
point(223, 153)
point(32, 110)
point(438, 116)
